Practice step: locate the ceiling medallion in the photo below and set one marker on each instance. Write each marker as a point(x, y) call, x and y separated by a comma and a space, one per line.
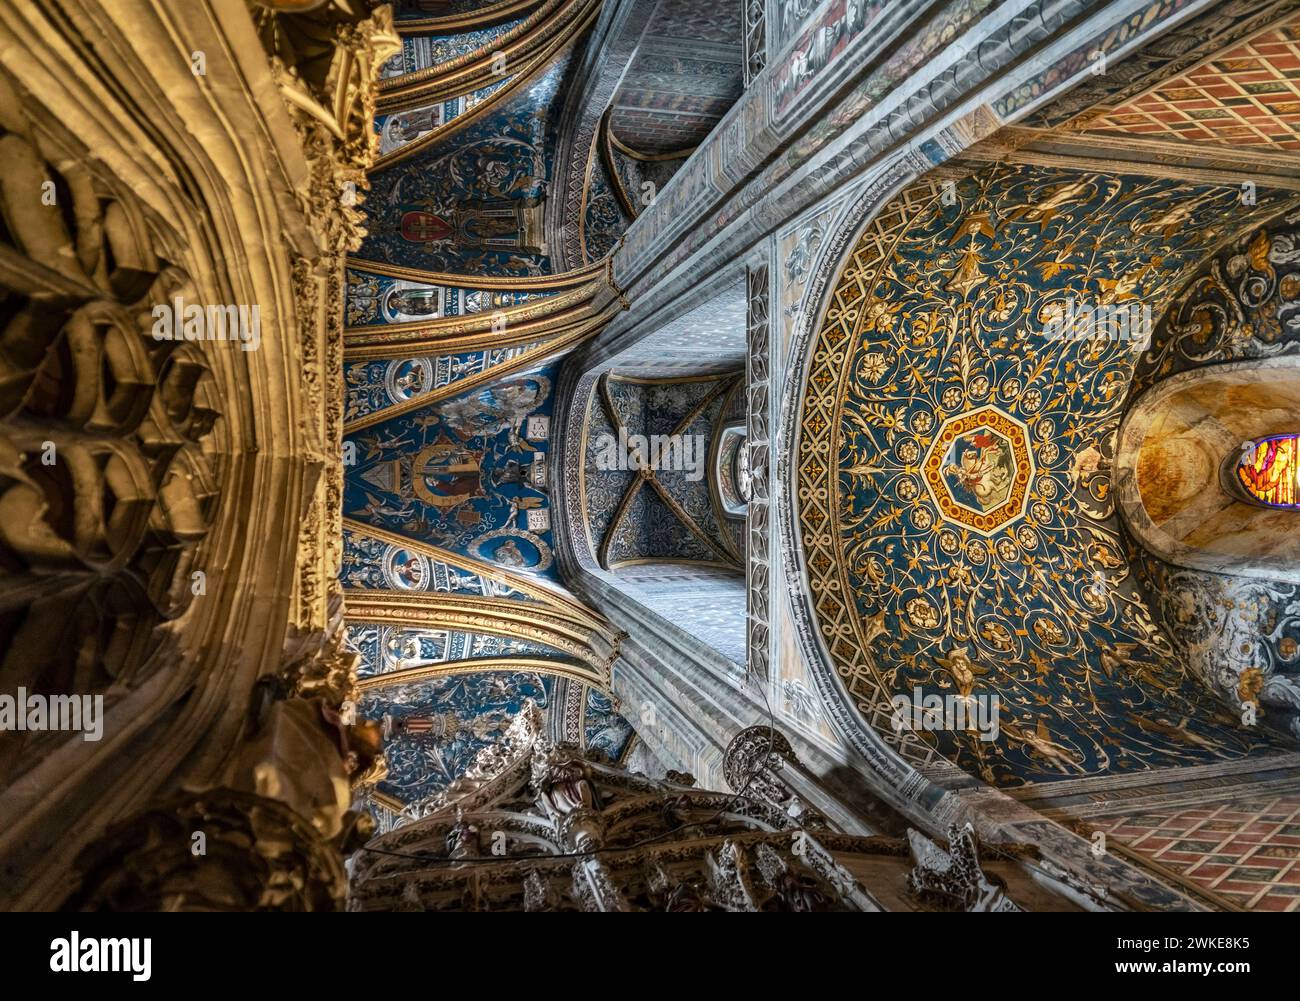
point(979, 468)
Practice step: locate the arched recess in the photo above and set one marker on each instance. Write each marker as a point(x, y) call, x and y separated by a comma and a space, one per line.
point(946, 333)
point(442, 83)
point(1177, 447)
point(174, 555)
point(1220, 379)
point(458, 645)
point(414, 16)
point(699, 590)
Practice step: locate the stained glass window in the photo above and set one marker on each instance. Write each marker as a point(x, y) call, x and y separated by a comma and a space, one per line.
point(1268, 471)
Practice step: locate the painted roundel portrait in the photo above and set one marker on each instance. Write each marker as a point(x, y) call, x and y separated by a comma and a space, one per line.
point(406, 570)
point(514, 548)
point(979, 469)
point(407, 378)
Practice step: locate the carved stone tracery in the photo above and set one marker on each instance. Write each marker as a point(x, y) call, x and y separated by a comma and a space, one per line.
point(170, 505)
point(108, 476)
point(559, 829)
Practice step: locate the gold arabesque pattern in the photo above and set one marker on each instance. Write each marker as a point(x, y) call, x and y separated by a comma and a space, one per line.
point(937, 325)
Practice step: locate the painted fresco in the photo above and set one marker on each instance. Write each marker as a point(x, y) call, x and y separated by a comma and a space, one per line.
point(426, 51)
point(1243, 304)
point(386, 649)
point(604, 729)
point(1239, 634)
point(374, 386)
point(1248, 95)
point(379, 299)
point(465, 474)
point(472, 203)
point(603, 221)
point(435, 728)
point(401, 128)
point(954, 591)
point(373, 564)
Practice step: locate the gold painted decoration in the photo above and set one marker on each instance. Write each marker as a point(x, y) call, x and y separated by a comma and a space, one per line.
point(979, 468)
point(955, 509)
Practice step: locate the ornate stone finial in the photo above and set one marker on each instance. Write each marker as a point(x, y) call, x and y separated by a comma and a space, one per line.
point(539, 894)
point(955, 876)
point(793, 888)
point(750, 750)
point(729, 878)
point(754, 762)
point(562, 783)
point(463, 839)
point(671, 894)
point(325, 670)
point(526, 731)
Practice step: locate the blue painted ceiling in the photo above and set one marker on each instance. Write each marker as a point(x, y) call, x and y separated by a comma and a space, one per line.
point(464, 473)
point(1039, 606)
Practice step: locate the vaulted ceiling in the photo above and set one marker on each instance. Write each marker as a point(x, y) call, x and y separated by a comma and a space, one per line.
point(686, 74)
point(962, 537)
point(456, 325)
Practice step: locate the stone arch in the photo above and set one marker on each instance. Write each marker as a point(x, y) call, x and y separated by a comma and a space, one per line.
point(703, 346)
point(1174, 446)
point(995, 296)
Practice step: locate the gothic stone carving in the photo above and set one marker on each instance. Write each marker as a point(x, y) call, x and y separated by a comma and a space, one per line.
point(106, 485)
point(759, 444)
point(256, 854)
point(549, 828)
point(954, 877)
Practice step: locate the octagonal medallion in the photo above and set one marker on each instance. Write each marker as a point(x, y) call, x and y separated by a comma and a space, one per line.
point(978, 469)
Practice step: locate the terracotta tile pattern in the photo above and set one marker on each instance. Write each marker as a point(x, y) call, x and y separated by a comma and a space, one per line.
point(1246, 96)
point(1247, 851)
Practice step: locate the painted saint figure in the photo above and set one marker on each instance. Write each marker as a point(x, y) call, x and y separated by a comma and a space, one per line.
point(414, 302)
point(983, 468)
point(1268, 471)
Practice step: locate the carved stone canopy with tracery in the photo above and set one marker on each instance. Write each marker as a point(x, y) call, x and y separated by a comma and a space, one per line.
point(539, 826)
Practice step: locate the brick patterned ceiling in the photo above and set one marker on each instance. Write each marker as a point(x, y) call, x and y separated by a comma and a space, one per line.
point(687, 72)
point(1248, 95)
point(1247, 851)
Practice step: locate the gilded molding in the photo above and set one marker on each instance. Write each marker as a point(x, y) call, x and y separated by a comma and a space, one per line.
point(520, 283)
point(501, 617)
point(411, 675)
point(473, 70)
point(564, 339)
point(561, 602)
point(471, 20)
